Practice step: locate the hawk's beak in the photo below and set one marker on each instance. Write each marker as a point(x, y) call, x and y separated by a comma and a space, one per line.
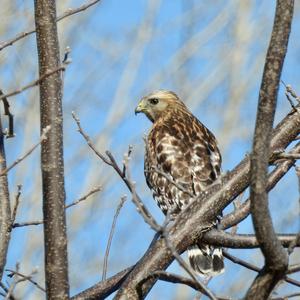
point(139, 108)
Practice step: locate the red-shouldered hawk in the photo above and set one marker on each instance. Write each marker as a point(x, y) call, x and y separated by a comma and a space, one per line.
point(182, 148)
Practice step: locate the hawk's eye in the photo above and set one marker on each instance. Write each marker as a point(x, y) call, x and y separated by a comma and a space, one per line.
point(153, 101)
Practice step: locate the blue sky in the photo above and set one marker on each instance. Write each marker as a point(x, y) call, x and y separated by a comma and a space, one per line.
point(211, 54)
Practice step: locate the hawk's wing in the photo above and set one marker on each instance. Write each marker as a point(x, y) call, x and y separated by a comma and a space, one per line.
point(186, 151)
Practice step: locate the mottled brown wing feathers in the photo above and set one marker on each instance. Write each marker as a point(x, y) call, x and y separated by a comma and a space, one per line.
point(183, 148)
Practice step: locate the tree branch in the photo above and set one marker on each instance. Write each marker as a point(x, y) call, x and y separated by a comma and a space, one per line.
point(243, 211)
point(141, 208)
point(52, 161)
point(20, 159)
point(5, 214)
point(33, 83)
point(67, 13)
point(242, 241)
point(201, 212)
point(104, 288)
point(276, 259)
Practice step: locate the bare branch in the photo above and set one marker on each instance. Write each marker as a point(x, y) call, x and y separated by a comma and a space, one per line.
point(276, 259)
point(20, 159)
point(252, 267)
point(67, 13)
point(175, 278)
point(16, 205)
point(293, 269)
point(292, 156)
point(39, 222)
point(86, 196)
point(30, 223)
point(185, 266)
point(26, 277)
point(104, 288)
point(5, 213)
point(141, 208)
point(286, 297)
point(120, 205)
point(33, 83)
point(242, 241)
point(240, 214)
point(88, 140)
point(180, 187)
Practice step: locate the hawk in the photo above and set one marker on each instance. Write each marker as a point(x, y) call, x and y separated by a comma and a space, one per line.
point(182, 158)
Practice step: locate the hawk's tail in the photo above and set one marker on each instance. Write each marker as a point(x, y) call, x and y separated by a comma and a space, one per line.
point(206, 260)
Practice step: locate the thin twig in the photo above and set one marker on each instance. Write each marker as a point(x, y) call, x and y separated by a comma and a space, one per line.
point(91, 192)
point(25, 277)
point(9, 133)
point(88, 140)
point(254, 268)
point(13, 285)
point(16, 205)
point(42, 138)
point(237, 204)
point(39, 222)
point(112, 230)
point(5, 289)
point(289, 91)
point(175, 278)
point(169, 178)
point(184, 265)
point(67, 13)
point(29, 223)
point(126, 159)
point(143, 211)
point(33, 83)
point(297, 239)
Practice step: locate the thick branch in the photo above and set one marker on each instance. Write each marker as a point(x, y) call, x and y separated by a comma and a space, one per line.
point(52, 163)
point(104, 288)
point(242, 241)
point(200, 214)
point(276, 259)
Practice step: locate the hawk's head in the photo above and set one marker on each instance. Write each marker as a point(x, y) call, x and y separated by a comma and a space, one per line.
point(158, 103)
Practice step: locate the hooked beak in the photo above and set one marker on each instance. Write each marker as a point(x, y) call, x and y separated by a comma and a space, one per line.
point(140, 108)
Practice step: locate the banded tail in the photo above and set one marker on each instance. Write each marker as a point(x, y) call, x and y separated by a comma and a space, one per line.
point(206, 260)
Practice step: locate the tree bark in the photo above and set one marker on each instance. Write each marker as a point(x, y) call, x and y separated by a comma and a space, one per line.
point(5, 214)
point(276, 258)
point(52, 163)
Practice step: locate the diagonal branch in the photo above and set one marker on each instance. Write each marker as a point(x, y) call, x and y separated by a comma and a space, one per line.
point(20, 159)
point(189, 222)
point(110, 160)
point(276, 259)
point(33, 83)
point(274, 177)
point(201, 213)
point(66, 14)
